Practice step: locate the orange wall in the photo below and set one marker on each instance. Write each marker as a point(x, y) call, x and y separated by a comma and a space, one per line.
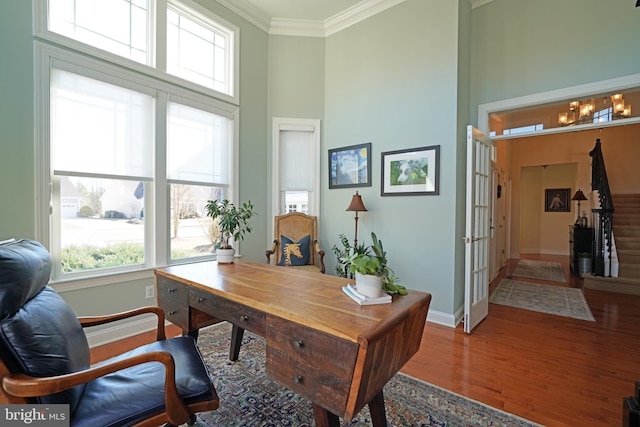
point(568, 156)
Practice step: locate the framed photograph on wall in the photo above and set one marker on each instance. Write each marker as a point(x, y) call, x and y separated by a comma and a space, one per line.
point(413, 171)
point(350, 166)
point(557, 200)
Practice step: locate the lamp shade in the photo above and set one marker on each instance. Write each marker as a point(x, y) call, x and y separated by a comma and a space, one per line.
point(356, 204)
point(579, 196)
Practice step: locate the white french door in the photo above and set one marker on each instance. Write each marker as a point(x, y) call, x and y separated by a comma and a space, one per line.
point(480, 150)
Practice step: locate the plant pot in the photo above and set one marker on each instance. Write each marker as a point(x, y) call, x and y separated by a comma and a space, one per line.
point(369, 285)
point(226, 256)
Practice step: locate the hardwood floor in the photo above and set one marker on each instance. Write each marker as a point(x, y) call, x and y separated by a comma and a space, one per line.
point(552, 370)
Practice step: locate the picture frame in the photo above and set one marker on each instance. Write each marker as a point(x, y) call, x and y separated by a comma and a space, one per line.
point(350, 166)
point(410, 172)
point(557, 200)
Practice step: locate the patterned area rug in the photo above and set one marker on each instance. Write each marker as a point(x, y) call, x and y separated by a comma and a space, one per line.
point(541, 270)
point(249, 398)
point(558, 300)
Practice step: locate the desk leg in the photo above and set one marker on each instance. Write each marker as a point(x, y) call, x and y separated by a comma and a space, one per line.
point(376, 408)
point(324, 418)
point(192, 333)
point(236, 341)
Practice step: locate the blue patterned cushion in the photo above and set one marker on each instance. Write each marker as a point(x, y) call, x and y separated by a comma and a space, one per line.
point(295, 253)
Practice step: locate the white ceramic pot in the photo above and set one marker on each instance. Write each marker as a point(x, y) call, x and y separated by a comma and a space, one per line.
point(226, 256)
point(369, 285)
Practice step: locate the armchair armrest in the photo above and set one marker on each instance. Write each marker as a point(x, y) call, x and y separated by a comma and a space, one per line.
point(22, 385)
point(320, 256)
point(269, 252)
point(87, 321)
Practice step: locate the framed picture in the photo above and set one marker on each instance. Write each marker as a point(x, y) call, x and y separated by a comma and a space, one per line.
point(350, 166)
point(557, 200)
point(413, 171)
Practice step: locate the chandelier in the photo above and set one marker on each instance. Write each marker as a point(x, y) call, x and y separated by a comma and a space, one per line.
point(595, 110)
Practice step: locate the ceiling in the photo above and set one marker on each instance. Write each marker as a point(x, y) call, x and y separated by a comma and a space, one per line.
point(316, 18)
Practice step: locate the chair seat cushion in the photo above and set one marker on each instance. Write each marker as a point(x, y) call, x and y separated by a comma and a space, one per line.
point(295, 253)
point(130, 395)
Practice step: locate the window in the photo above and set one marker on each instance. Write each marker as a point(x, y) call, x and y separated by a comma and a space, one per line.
point(120, 27)
point(296, 176)
point(183, 42)
point(198, 51)
point(129, 156)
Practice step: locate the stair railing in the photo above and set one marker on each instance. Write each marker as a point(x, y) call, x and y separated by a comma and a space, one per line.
point(602, 217)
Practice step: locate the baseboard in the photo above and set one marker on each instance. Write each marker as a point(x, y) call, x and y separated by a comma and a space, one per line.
point(121, 331)
point(445, 319)
point(619, 285)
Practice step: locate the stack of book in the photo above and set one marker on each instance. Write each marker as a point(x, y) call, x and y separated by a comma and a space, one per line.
point(353, 293)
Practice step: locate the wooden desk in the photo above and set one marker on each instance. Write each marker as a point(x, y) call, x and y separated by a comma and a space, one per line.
point(319, 343)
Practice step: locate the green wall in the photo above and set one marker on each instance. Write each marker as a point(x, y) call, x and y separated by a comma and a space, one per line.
point(17, 169)
point(522, 47)
point(392, 80)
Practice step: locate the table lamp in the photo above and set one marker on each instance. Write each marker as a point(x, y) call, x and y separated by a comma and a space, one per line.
point(356, 206)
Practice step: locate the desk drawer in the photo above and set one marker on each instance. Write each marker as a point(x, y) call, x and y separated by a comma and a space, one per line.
point(320, 387)
point(173, 298)
point(312, 363)
point(324, 351)
point(224, 309)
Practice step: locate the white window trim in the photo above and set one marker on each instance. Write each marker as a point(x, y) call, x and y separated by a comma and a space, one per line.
point(158, 252)
point(621, 83)
point(284, 124)
point(158, 54)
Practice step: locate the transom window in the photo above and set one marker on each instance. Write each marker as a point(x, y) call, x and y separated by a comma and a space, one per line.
point(190, 43)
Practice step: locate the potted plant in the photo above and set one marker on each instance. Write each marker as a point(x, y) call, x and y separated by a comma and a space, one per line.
point(233, 222)
point(372, 272)
point(345, 254)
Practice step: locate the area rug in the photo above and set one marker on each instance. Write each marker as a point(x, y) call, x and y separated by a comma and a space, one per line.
point(249, 398)
point(542, 270)
point(558, 300)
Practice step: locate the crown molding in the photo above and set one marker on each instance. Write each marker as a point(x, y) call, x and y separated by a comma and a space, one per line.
point(478, 3)
point(299, 27)
point(296, 27)
point(249, 12)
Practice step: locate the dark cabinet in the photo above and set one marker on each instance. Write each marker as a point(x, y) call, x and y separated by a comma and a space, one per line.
point(580, 240)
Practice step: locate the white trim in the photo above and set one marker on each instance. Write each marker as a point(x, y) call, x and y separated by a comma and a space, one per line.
point(41, 33)
point(248, 11)
point(445, 319)
point(128, 328)
point(308, 28)
point(357, 13)
point(478, 3)
point(621, 83)
point(303, 125)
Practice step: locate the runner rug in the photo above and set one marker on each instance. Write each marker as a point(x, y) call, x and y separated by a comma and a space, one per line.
point(558, 300)
point(542, 270)
point(249, 398)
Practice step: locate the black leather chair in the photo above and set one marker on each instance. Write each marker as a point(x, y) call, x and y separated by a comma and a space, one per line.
point(45, 357)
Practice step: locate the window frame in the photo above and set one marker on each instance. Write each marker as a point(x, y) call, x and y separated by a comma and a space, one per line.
point(294, 124)
point(157, 223)
point(157, 45)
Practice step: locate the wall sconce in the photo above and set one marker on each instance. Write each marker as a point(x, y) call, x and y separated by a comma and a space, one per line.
point(356, 206)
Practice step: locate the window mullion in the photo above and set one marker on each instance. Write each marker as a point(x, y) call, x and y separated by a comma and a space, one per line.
point(159, 227)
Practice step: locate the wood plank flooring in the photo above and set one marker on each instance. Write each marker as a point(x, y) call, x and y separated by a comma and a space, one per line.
point(552, 370)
